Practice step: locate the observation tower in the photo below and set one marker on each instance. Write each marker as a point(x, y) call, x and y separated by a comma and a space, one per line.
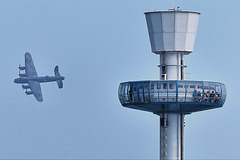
point(172, 35)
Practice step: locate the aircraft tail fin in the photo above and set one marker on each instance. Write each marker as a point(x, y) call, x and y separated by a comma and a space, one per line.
point(57, 74)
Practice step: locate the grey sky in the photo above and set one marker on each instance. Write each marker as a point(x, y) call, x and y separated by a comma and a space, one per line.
point(98, 44)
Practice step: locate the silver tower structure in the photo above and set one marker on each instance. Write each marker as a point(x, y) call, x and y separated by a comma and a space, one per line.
point(172, 35)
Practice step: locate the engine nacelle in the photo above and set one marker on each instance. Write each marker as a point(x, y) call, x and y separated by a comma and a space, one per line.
point(21, 67)
point(25, 86)
point(29, 92)
point(22, 75)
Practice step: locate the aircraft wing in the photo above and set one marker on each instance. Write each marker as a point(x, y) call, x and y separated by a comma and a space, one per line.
point(36, 90)
point(29, 66)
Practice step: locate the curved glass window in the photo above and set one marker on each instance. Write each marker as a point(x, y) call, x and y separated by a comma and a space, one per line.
point(141, 99)
point(224, 93)
point(218, 93)
point(198, 92)
point(190, 91)
point(124, 93)
point(212, 92)
point(146, 92)
point(181, 92)
point(154, 89)
point(206, 92)
point(163, 94)
point(172, 92)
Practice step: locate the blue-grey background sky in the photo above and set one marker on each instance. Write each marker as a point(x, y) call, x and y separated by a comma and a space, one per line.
point(98, 44)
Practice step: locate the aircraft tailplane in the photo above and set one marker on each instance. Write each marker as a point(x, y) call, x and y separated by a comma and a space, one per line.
point(57, 74)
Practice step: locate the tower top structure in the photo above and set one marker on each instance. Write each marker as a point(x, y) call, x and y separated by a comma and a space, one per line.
point(172, 31)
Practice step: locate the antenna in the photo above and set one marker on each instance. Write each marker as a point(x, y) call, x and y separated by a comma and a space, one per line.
point(172, 2)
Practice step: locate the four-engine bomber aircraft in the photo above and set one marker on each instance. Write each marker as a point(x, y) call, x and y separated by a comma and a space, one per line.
point(32, 81)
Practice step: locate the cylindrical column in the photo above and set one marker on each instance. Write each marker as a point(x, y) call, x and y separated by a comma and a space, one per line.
point(171, 136)
point(171, 66)
point(163, 136)
point(171, 124)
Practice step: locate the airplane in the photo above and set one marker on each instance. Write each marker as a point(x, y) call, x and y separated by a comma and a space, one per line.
point(30, 80)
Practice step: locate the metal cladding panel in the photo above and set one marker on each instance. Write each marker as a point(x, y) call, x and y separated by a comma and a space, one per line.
point(168, 42)
point(150, 30)
point(191, 30)
point(172, 30)
point(155, 30)
point(180, 31)
point(181, 22)
point(168, 31)
point(157, 23)
point(190, 41)
point(180, 41)
point(192, 23)
point(168, 21)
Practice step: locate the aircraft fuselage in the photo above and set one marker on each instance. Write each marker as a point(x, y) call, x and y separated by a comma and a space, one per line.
point(43, 79)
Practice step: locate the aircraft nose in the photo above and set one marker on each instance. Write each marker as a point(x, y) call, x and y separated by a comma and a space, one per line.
point(40, 99)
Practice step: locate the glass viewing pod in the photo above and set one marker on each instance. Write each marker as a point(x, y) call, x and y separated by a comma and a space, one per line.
point(176, 96)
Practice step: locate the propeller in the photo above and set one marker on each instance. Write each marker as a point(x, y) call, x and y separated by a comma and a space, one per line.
point(26, 91)
point(19, 66)
point(22, 87)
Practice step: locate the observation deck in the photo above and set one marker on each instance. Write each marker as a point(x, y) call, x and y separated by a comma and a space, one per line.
point(172, 96)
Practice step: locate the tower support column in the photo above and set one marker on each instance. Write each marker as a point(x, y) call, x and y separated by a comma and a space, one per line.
point(172, 65)
point(171, 136)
